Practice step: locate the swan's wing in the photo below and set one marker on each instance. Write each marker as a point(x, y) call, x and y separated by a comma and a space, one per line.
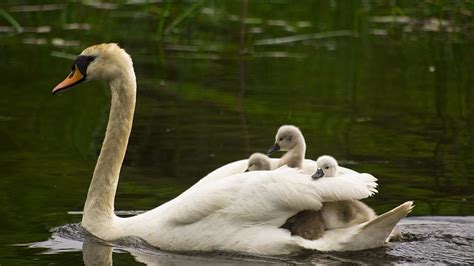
point(237, 167)
point(309, 167)
point(268, 196)
point(206, 198)
point(199, 202)
point(350, 185)
point(223, 171)
point(345, 171)
point(229, 169)
point(276, 195)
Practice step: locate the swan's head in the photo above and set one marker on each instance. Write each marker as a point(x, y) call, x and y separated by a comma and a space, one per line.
point(286, 138)
point(258, 162)
point(105, 61)
point(327, 166)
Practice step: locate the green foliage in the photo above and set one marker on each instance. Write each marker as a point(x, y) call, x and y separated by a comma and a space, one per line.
point(11, 20)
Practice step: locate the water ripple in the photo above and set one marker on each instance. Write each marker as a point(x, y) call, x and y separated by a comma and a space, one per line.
point(425, 240)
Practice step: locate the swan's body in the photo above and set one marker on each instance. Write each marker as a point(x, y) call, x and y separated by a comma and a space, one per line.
point(224, 211)
point(371, 234)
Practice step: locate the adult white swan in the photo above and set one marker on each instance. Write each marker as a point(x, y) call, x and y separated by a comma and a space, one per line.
point(241, 212)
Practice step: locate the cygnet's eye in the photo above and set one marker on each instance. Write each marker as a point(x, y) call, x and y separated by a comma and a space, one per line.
point(281, 139)
point(327, 167)
point(289, 138)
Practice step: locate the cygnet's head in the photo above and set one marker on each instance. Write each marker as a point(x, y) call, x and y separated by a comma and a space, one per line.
point(327, 167)
point(258, 162)
point(286, 139)
point(105, 61)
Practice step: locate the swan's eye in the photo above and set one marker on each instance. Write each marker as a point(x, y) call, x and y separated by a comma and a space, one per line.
point(82, 62)
point(327, 167)
point(281, 139)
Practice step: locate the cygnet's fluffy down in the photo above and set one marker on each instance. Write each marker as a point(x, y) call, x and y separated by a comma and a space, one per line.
point(340, 214)
point(290, 139)
point(346, 213)
point(307, 224)
point(258, 162)
point(343, 214)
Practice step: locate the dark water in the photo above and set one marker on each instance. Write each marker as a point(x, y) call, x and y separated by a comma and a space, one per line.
point(426, 239)
point(385, 88)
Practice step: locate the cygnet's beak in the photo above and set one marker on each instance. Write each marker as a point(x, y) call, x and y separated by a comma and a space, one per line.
point(74, 78)
point(273, 149)
point(319, 173)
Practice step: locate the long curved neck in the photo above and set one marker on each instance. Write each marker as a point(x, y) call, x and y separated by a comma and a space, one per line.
point(99, 206)
point(294, 157)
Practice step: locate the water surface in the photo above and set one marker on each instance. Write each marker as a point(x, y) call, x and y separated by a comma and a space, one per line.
point(385, 88)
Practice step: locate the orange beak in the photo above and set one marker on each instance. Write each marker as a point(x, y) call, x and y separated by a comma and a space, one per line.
point(74, 78)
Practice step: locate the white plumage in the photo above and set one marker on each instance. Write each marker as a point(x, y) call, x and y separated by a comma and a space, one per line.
point(242, 212)
point(227, 209)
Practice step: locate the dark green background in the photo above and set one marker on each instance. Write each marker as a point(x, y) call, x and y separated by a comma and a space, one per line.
point(385, 86)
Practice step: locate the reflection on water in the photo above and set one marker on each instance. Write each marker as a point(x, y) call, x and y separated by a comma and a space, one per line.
point(384, 87)
point(96, 254)
point(72, 238)
point(426, 240)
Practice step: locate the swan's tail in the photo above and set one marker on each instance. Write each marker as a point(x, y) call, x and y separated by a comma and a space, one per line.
point(368, 235)
point(375, 232)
